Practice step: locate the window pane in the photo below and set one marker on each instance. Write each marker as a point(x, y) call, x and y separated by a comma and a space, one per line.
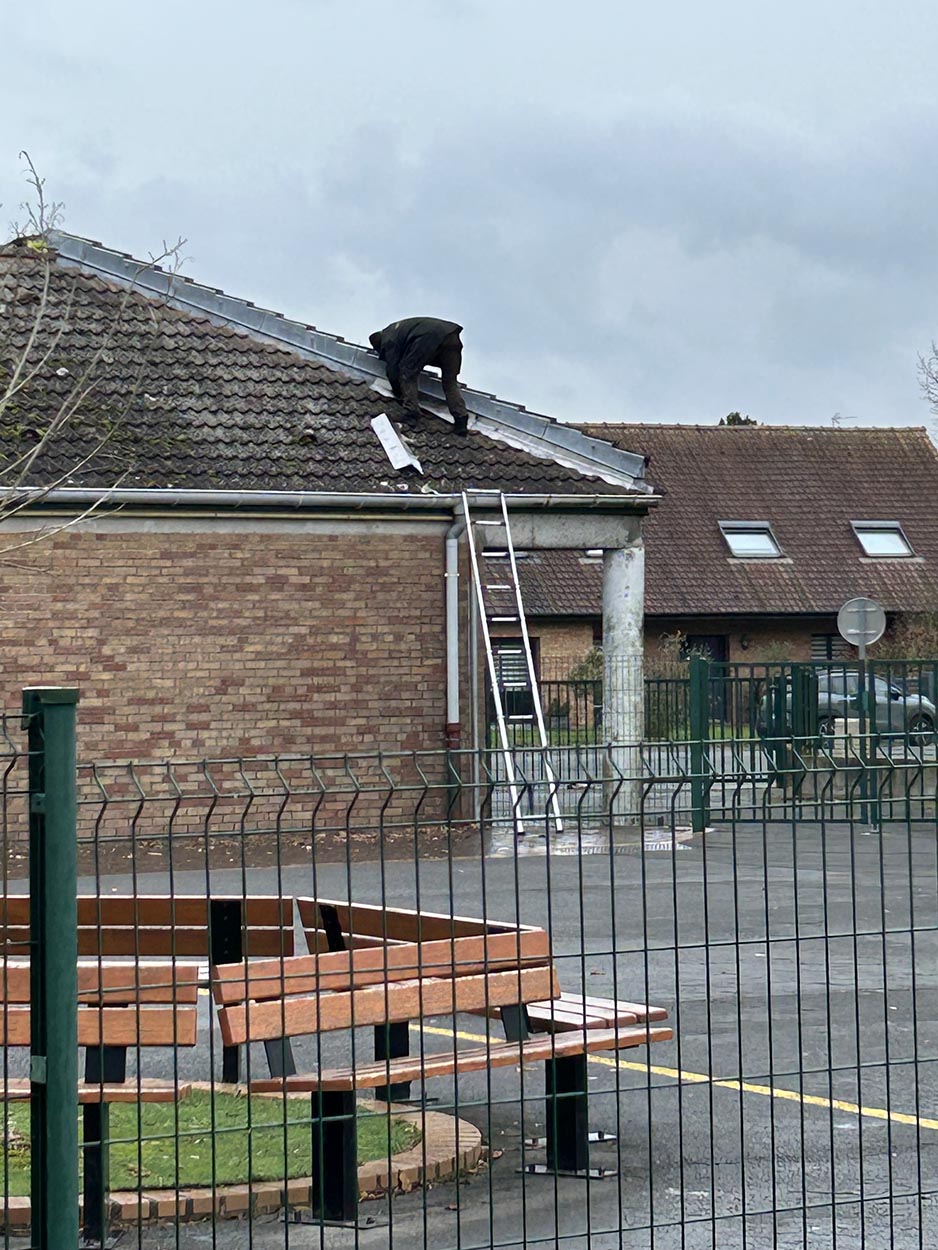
point(885, 541)
point(754, 542)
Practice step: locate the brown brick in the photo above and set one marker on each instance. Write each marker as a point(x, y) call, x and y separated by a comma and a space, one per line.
point(166, 1203)
point(16, 1212)
point(201, 1202)
point(182, 646)
point(236, 1199)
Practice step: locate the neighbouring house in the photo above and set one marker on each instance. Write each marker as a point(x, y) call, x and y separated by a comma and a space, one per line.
point(231, 561)
point(762, 533)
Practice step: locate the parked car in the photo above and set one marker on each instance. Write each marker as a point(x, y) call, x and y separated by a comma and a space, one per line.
point(896, 710)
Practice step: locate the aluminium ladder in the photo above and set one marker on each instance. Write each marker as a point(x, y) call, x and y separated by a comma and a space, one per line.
point(517, 617)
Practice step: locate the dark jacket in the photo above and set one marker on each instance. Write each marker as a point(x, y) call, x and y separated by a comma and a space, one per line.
point(407, 346)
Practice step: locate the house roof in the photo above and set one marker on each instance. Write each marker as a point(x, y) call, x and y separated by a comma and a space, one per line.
point(197, 390)
point(553, 583)
point(808, 483)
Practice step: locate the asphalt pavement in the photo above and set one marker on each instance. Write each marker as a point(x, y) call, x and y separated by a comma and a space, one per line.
point(796, 1105)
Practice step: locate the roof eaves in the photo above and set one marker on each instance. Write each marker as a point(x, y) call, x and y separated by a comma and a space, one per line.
point(510, 423)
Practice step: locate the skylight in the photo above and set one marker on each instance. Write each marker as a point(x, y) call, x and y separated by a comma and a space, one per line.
point(882, 539)
point(750, 540)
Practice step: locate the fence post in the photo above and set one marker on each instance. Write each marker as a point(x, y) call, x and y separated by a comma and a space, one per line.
point(53, 926)
point(699, 731)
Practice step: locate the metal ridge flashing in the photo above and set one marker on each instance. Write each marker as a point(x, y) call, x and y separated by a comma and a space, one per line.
point(513, 424)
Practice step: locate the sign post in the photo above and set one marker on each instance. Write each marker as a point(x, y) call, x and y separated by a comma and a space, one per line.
point(862, 622)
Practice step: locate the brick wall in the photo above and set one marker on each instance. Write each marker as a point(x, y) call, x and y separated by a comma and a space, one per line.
point(750, 641)
point(558, 645)
point(561, 646)
point(234, 642)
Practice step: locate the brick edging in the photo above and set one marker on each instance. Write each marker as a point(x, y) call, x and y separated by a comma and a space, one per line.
point(448, 1146)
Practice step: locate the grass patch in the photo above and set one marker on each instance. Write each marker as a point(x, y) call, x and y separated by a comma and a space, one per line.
point(216, 1148)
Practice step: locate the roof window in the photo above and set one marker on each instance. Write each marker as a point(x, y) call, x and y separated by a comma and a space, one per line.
point(882, 539)
point(750, 540)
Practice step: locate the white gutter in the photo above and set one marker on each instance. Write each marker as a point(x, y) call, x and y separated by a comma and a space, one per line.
point(160, 497)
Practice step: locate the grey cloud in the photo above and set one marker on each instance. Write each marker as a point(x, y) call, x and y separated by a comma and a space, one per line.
point(661, 226)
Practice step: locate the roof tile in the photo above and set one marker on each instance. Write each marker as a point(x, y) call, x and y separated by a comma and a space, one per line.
point(187, 403)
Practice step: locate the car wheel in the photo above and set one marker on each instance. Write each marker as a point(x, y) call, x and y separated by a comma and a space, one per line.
point(921, 726)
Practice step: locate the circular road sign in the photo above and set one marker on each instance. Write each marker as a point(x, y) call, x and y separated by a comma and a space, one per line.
point(861, 622)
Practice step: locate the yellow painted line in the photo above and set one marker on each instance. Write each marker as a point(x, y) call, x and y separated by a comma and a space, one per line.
point(746, 1087)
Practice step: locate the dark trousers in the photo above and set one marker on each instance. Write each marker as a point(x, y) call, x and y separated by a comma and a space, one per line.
point(448, 360)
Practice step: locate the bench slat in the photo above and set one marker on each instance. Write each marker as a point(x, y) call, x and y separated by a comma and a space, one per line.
point(184, 910)
point(379, 1004)
point(446, 1063)
point(103, 982)
point(572, 1011)
point(317, 941)
point(642, 1011)
point(146, 1090)
point(373, 920)
point(158, 925)
point(343, 970)
point(113, 1026)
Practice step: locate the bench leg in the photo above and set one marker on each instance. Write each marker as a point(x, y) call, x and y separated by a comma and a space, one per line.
point(94, 1120)
point(103, 1064)
point(392, 1041)
point(230, 1065)
point(226, 946)
point(515, 1022)
point(335, 1156)
point(280, 1061)
point(567, 1116)
point(335, 1164)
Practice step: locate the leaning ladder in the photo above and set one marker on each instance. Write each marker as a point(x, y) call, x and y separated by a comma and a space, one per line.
point(518, 617)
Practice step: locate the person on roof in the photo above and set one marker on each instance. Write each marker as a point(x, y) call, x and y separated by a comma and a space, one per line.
point(407, 347)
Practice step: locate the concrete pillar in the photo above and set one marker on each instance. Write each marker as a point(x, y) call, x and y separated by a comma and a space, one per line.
point(623, 671)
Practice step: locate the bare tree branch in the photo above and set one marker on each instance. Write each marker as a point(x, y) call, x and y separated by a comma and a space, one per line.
point(928, 376)
point(28, 476)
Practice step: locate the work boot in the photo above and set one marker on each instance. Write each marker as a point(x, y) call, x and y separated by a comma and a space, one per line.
point(461, 427)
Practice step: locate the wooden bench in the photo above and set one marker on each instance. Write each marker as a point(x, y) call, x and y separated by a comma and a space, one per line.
point(121, 1006)
point(464, 941)
point(224, 928)
point(220, 929)
point(577, 1011)
point(377, 985)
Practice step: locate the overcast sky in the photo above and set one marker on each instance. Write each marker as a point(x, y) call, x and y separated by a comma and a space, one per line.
point(638, 212)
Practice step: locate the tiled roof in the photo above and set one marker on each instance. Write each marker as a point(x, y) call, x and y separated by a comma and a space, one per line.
point(809, 483)
point(553, 583)
point(188, 403)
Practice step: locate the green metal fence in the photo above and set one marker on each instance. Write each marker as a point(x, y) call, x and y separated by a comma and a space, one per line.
point(742, 700)
point(765, 902)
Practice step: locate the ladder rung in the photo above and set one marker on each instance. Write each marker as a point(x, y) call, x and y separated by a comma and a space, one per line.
point(501, 620)
point(500, 524)
point(507, 587)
